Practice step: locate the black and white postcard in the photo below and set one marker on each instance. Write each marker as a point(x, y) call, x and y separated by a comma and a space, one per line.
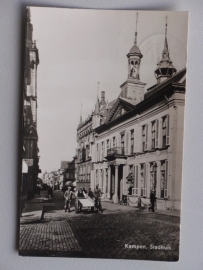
point(103, 125)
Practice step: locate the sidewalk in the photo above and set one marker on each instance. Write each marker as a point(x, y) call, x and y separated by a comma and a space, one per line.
point(33, 209)
point(117, 207)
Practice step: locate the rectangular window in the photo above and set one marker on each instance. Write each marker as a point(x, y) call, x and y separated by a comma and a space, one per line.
point(153, 177)
point(165, 131)
point(87, 152)
point(83, 173)
point(107, 144)
point(144, 138)
point(153, 134)
point(106, 180)
point(143, 180)
point(96, 178)
point(132, 141)
point(97, 152)
point(136, 180)
point(102, 150)
point(101, 180)
point(164, 180)
point(114, 141)
point(122, 140)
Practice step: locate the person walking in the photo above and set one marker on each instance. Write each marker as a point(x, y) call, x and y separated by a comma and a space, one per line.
point(90, 193)
point(68, 197)
point(97, 194)
point(152, 200)
point(50, 192)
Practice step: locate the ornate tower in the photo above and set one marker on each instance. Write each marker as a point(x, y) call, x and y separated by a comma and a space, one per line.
point(165, 68)
point(133, 88)
point(96, 114)
point(80, 115)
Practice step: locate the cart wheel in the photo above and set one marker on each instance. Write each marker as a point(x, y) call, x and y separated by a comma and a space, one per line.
point(121, 202)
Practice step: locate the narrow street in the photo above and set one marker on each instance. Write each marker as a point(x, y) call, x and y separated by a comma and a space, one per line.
point(99, 235)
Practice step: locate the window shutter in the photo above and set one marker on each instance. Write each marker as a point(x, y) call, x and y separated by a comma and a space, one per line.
point(160, 133)
point(157, 134)
point(93, 152)
point(137, 139)
point(149, 136)
point(167, 130)
point(127, 143)
point(104, 151)
point(118, 143)
point(136, 179)
point(96, 152)
point(166, 181)
point(146, 137)
point(101, 152)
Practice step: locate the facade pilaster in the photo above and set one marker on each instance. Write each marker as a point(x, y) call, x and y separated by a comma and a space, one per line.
point(148, 179)
point(139, 180)
point(115, 196)
point(158, 179)
point(109, 182)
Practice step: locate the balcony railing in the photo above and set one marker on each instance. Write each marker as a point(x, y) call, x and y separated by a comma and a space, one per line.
point(115, 152)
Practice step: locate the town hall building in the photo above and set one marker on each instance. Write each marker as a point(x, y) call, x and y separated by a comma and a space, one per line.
point(135, 145)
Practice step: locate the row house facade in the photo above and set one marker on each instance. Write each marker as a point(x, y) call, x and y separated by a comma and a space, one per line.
point(68, 171)
point(86, 142)
point(30, 136)
point(138, 146)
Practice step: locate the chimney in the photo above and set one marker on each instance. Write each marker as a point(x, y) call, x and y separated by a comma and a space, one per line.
point(103, 98)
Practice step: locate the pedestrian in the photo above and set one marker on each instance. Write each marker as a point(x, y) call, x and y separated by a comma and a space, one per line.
point(97, 194)
point(68, 198)
point(50, 192)
point(80, 193)
point(152, 200)
point(90, 193)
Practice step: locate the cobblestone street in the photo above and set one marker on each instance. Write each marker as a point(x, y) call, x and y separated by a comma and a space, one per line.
point(100, 235)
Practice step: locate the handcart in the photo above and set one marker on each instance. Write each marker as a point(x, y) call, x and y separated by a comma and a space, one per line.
point(84, 204)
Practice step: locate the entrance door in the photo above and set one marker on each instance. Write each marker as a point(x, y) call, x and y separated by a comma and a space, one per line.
point(153, 180)
point(120, 182)
point(112, 188)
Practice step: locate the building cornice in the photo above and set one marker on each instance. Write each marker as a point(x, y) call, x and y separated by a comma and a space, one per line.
point(157, 96)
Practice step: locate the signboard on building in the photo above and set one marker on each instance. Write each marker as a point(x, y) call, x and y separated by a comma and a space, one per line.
point(24, 167)
point(29, 162)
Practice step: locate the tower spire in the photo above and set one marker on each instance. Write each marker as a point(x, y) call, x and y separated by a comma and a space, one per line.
point(98, 90)
point(165, 51)
point(81, 114)
point(97, 102)
point(135, 42)
point(165, 68)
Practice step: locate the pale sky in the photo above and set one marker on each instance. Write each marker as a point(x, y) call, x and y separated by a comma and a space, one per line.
point(78, 48)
